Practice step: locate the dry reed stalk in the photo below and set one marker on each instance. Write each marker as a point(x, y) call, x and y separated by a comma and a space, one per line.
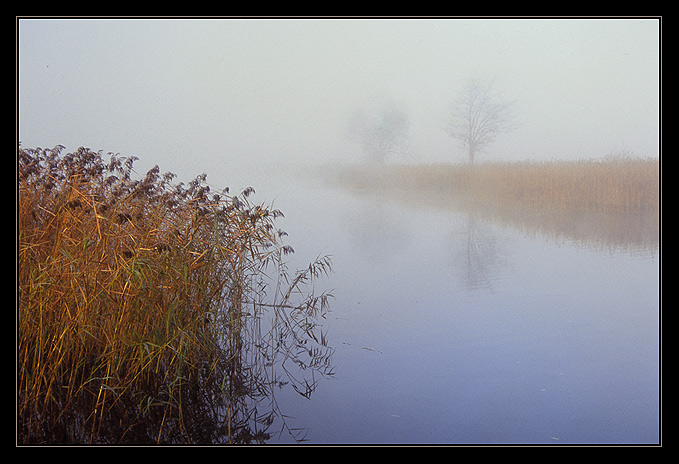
point(130, 296)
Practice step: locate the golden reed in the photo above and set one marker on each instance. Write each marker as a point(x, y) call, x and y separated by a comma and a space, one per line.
point(614, 184)
point(135, 302)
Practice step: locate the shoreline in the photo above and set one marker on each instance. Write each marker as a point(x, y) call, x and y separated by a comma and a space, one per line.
point(616, 185)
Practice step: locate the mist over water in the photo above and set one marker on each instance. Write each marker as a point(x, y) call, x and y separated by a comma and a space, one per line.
point(453, 326)
point(450, 324)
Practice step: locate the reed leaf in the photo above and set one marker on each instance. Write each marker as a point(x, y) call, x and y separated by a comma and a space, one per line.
point(140, 305)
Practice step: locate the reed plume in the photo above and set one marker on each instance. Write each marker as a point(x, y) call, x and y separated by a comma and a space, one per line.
point(137, 303)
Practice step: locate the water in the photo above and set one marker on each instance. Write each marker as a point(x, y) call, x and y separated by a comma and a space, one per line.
point(453, 326)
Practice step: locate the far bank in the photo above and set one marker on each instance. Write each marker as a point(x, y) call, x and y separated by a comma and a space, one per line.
point(610, 185)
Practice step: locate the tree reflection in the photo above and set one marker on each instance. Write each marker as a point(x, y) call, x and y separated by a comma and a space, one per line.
point(479, 259)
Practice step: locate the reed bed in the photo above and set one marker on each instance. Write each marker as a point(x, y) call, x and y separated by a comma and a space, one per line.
point(141, 305)
point(614, 184)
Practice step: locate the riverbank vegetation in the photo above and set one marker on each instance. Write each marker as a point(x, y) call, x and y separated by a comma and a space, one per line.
point(153, 312)
point(614, 184)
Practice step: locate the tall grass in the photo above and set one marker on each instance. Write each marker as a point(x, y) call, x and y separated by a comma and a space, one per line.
point(140, 305)
point(614, 184)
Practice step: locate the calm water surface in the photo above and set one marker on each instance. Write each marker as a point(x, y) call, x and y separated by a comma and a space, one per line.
point(452, 326)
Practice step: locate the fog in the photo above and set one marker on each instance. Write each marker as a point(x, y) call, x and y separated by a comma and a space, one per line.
point(450, 322)
point(220, 96)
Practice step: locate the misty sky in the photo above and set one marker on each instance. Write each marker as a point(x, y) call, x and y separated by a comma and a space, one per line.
point(205, 95)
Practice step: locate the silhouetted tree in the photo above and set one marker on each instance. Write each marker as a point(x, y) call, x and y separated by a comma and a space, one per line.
point(478, 116)
point(381, 129)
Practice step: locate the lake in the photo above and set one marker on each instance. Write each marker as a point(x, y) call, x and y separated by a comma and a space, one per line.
point(457, 326)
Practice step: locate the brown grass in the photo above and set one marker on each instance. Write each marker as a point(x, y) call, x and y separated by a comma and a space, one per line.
point(137, 301)
point(610, 185)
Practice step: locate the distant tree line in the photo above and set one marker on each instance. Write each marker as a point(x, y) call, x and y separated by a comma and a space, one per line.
point(478, 115)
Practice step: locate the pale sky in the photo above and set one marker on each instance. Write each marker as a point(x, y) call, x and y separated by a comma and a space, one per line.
point(201, 95)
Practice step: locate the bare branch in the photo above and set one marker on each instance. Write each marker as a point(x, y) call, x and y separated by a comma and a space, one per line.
point(479, 116)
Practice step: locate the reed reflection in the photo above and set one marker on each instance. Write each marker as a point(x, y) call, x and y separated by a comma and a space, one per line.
point(618, 215)
point(612, 204)
point(150, 312)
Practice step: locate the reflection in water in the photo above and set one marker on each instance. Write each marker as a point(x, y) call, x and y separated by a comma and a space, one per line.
point(633, 233)
point(482, 326)
point(280, 345)
point(229, 395)
point(480, 258)
point(636, 232)
point(560, 350)
point(378, 230)
point(375, 231)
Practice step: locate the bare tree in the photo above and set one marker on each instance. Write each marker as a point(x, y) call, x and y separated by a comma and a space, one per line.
point(381, 129)
point(479, 116)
